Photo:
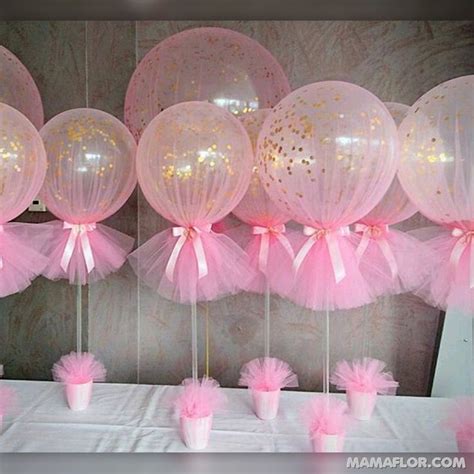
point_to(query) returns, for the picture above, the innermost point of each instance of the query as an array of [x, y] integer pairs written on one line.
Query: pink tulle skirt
[[315, 285], [414, 261], [448, 285], [109, 249], [279, 264], [228, 268], [23, 256]]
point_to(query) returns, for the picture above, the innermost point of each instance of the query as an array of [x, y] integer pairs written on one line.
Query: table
[[140, 418]]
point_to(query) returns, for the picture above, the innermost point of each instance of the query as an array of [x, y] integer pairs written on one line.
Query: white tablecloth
[[140, 418]]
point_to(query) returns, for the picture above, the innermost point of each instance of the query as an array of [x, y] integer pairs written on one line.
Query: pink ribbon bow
[[1, 258], [78, 231], [265, 233], [192, 233], [465, 239], [376, 233], [334, 251]]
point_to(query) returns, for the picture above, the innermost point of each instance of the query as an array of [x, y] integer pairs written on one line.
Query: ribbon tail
[[263, 252], [87, 251], [389, 256], [170, 266], [362, 247], [1, 262], [286, 245], [68, 250], [200, 256], [302, 253], [336, 258]]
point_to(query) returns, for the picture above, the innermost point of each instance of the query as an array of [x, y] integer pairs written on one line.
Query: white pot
[[195, 432], [361, 404], [79, 395], [265, 404], [328, 443]]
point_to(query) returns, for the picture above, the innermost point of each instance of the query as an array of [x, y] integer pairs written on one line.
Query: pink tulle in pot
[[363, 380], [196, 406], [78, 371], [327, 420], [265, 377]]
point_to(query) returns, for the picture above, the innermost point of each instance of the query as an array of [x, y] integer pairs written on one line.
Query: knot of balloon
[[78, 231], [192, 233]]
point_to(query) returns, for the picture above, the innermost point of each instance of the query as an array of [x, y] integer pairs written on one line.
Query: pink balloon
[[91, 174], [194, 163], [256, 207], [18, 89], [386, 254], [436, 171], [217, 65], [22, 164], [265, 236], [437, 147], [327, 154], [22, 171]]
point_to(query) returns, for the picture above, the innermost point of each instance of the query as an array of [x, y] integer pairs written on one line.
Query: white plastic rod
[[78, 318]]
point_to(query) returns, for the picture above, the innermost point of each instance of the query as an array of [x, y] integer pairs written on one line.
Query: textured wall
[[144, 338]]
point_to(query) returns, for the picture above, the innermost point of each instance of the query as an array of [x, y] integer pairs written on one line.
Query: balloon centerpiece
[[437, 173], [91, 174], [327, 155], [22, 171], [385, 254]]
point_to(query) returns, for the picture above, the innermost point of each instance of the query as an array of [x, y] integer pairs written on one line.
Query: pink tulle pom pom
[[364, 375], [227, 267], [460, 417], [77, 368], [449, 283], [200, 398], [22, 253], [107, 247], [8, 400], [267, 374], [326, 415]]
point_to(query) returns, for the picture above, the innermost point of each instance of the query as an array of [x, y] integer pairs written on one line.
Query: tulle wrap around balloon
[[194, 163], [327, 155], [215, 65], [263, 234], [437, 173], [91, 174], [386, 254], [22, 171], [18, 89]]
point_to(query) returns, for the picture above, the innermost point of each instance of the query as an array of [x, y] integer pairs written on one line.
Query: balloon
[[437, 172], [264, 237], [18, 89], [216, 65], [22, 171], [327, 155], [386, 254], [193, 164], [91, 174]]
